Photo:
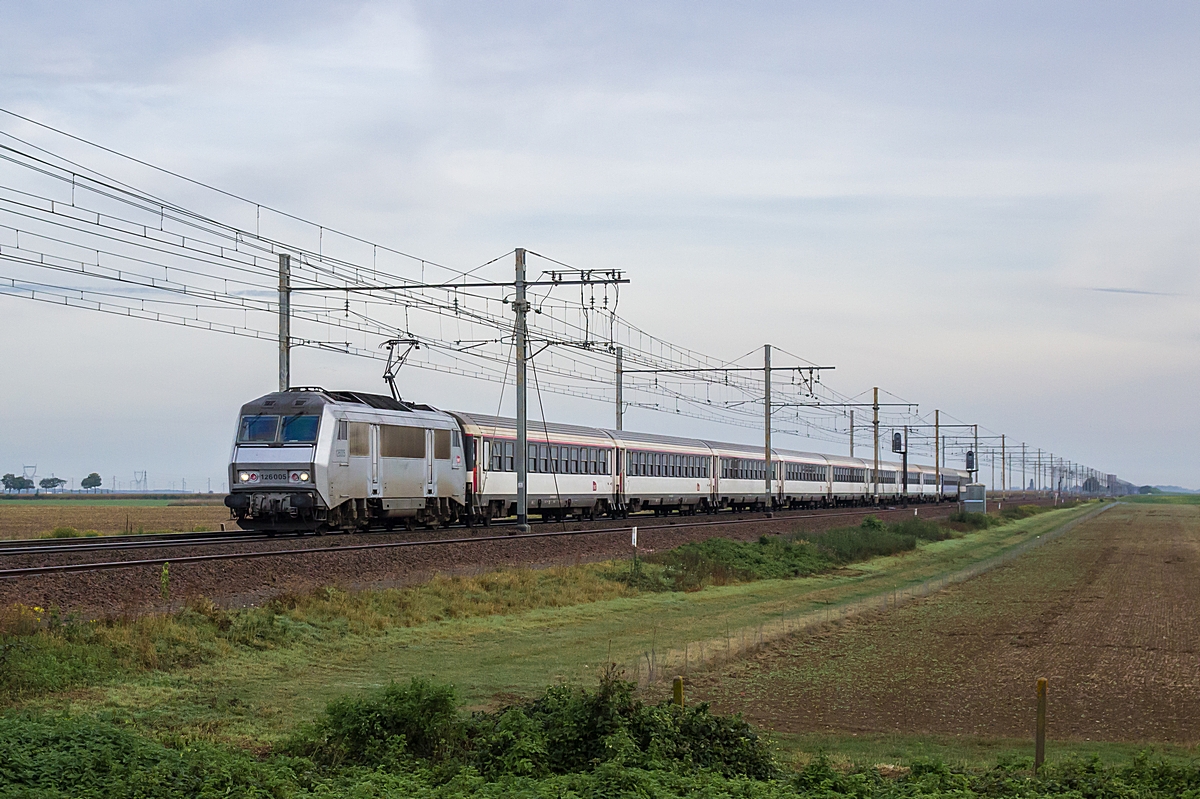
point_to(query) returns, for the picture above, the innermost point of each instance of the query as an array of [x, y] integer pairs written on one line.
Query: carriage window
[[360, 439], [509, 451], [401, 442], [342, 430], [544, 458], [258, 429]]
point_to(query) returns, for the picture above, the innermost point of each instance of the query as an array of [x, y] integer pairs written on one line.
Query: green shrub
[[973, 521], [62, 757], [922, 529], [416, 720], [718, 561], [850, 544], [65, 532], [567, 730]]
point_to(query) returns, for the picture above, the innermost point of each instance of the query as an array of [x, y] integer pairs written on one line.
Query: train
[[315, 460]]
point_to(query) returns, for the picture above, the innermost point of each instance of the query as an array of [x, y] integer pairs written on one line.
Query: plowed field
[[34, 519], [1110, 613]]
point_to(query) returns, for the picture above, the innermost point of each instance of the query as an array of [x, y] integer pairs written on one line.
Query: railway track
[[191, 540]]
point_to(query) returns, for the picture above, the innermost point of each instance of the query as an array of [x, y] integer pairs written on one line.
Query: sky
[[987, 208]]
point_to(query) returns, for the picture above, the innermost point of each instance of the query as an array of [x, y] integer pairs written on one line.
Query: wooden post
[[679, 691], [1039, 755]]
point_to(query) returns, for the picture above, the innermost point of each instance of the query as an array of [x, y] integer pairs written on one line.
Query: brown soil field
[[34, 520], [1109, 613]]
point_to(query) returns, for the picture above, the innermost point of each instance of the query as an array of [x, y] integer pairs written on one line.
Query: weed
[[164, 583]]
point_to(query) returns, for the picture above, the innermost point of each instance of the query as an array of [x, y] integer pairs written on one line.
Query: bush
[[415, 720], [850, 544], [60, 757], [973, 521], [718, 561], [567, 730], [922, 529]]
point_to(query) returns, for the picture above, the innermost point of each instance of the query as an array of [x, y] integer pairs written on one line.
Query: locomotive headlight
[[303, 477], [244, 477]]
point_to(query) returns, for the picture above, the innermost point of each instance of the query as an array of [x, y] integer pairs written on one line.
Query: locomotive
[[315, 460]]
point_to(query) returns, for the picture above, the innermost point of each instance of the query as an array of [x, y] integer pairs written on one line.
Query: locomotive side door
[[373, 486], [430, 467]]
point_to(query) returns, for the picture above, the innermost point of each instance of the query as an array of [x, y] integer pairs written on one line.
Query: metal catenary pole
[[975, 471], [937, 460], [285, 322], [521, 307], [851, 432], [1003, 465], [620, 387], [767, 424], [875, 423]]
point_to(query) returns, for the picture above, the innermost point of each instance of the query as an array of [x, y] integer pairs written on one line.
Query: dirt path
[[1110, 614]]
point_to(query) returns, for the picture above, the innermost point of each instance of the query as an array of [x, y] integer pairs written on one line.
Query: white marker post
[[633, 540]]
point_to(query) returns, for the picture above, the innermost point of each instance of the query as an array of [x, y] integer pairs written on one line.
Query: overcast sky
[[985, 208]]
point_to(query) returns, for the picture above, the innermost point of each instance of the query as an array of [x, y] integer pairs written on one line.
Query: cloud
[[1136, 291], [916, 196]]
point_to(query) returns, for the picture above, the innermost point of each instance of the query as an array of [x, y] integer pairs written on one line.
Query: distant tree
[[51, 483], [13, 482], [91, 481], [1148, 490]]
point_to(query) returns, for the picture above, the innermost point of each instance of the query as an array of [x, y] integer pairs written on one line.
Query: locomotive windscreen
[[300, 429], [258, 429], [266, 429]]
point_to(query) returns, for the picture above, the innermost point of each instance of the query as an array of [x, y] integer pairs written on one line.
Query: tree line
[[19, 483]]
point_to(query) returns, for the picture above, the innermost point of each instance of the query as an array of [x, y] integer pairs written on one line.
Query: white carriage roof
[[507, 424], [499, 424]]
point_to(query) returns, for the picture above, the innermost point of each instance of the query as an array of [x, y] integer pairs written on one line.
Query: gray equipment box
[[975, 498]]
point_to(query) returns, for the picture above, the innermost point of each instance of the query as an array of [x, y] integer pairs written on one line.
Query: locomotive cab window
[[300, 429], [258, 429]]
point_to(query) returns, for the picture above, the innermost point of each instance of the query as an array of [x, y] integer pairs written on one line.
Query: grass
[[414, 741], [1163, 499], [250, 676], [306, 695]]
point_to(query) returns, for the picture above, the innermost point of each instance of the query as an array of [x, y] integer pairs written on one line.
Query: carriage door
[[373, 487], [618, 477], [430, 468]]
